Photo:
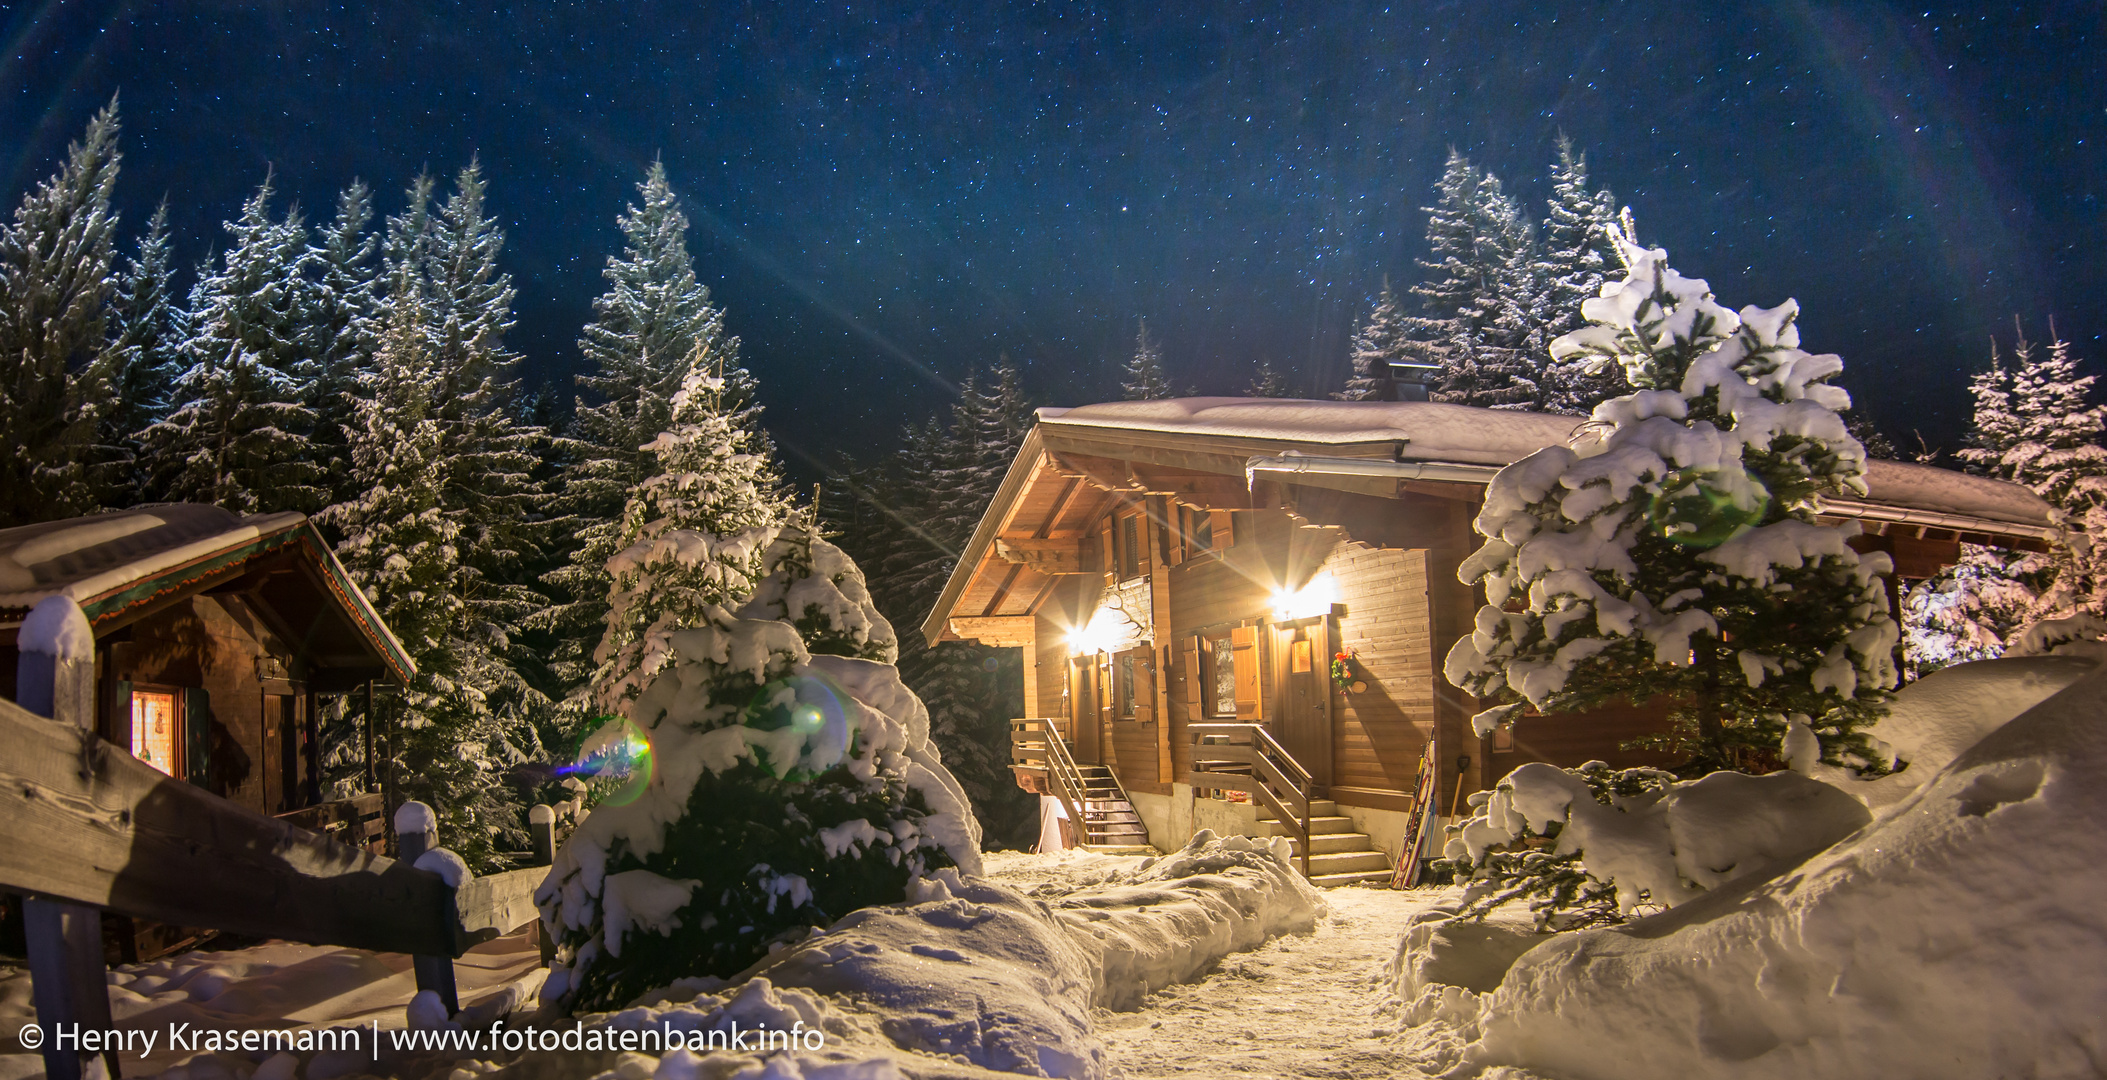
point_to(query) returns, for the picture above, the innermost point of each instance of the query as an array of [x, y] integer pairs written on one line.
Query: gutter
[[1307, 464], [1936, 519]]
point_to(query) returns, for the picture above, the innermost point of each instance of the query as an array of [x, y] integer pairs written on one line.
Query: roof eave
[[1013, 483]]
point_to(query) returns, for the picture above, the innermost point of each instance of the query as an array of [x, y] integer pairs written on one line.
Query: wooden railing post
[[55, 678], [541, 822], [416, 832]]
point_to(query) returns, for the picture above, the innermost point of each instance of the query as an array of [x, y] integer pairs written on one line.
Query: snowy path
[[1301, 1006]]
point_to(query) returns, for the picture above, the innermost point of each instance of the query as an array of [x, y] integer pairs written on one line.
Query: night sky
[[886, 196]]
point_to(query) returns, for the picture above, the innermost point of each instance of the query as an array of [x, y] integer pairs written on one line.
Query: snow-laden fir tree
[[1142, 379], [402, 545], [780, 776], [2035, 426], [1267, 382], [1672, 549], [341, 328], [239, 432], [55, 282], [653, 328], [1378, 342], [907, 519], [473, 719], [147, 328], [1477, 294], [690, 537], [1578, 255]]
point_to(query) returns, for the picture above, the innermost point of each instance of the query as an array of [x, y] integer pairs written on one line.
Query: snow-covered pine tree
[[147, 329], [1477, 295], [402, 545], [1268, 382], [1142, 379], [447, 304], [907, 519], [653, 329], [341, 327], [793, 782], [1377, 343], [1448, 294], [1673, 550], [238, 433], [55, 282], [691, 537], [1579, 255], [1968, 611], [2038, 429]]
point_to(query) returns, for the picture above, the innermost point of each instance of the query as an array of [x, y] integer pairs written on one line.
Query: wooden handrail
[[1062, 775], [1276, 778]]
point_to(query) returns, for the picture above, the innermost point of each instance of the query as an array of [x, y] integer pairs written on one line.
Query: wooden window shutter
[[120, 725], [1144, 685], [1250, 703], [1223, 525], [197, 737], [1194, 689]]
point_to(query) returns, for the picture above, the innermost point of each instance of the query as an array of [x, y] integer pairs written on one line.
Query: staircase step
[[1332, 843], [1345, 862], [1331, 825], [1333, 881]]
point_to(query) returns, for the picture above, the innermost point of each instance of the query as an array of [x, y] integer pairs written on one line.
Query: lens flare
[[617, 760], [811, 715], [1707, 510]]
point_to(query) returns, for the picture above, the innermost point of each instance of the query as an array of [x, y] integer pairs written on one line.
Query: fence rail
[[1037, 744], [88, 824]]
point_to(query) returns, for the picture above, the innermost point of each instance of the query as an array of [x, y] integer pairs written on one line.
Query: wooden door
[[1302, 723], [1086, 723]]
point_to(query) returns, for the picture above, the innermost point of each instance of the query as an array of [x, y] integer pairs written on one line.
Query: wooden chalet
[[1182, 573], [217, 638]]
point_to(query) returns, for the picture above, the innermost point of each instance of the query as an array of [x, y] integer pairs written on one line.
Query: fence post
[[55, 677], [541, 821], [416, 832]]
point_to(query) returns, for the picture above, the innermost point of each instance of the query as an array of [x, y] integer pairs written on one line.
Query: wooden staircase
[[1104, 818], [1110, 823], [1338, 855]]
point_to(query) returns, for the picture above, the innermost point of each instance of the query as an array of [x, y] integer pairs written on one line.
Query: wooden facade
[[1172, 563]]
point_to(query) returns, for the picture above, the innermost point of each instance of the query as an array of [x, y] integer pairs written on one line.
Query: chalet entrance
[[1087, 717], [1301, 720]]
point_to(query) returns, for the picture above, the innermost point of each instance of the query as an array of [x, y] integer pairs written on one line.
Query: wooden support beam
[[1049, 557], [997, 631], [435, 972]]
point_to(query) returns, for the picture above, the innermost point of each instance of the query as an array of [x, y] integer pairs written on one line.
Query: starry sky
[[887, 196]]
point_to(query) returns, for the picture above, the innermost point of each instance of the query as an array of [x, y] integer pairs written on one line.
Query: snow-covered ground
[[1302, 1005]]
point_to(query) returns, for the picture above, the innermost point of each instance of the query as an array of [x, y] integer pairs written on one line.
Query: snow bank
[[977, 976], [1961, 935], [1665, 846], [1439, 950]]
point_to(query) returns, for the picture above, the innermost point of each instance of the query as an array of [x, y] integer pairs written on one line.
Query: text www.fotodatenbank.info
[[497, 1038]]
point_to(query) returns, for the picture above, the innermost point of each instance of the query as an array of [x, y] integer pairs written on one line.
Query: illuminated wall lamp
[[1312, 600]]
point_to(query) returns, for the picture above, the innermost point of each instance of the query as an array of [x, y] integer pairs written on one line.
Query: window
[[156, 730], [1126, 680], [1221, 677], [1130, 546], [1200, 527]]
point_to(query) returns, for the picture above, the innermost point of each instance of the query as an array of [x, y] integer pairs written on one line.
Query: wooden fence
[[90, 827]]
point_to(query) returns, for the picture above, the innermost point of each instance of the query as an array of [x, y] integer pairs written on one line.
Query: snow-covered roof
[[1430, 431], [109, 563], [1425, 430]]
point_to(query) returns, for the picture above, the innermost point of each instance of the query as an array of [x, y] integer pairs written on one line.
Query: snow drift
[[976, 978], [1960, 935]]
